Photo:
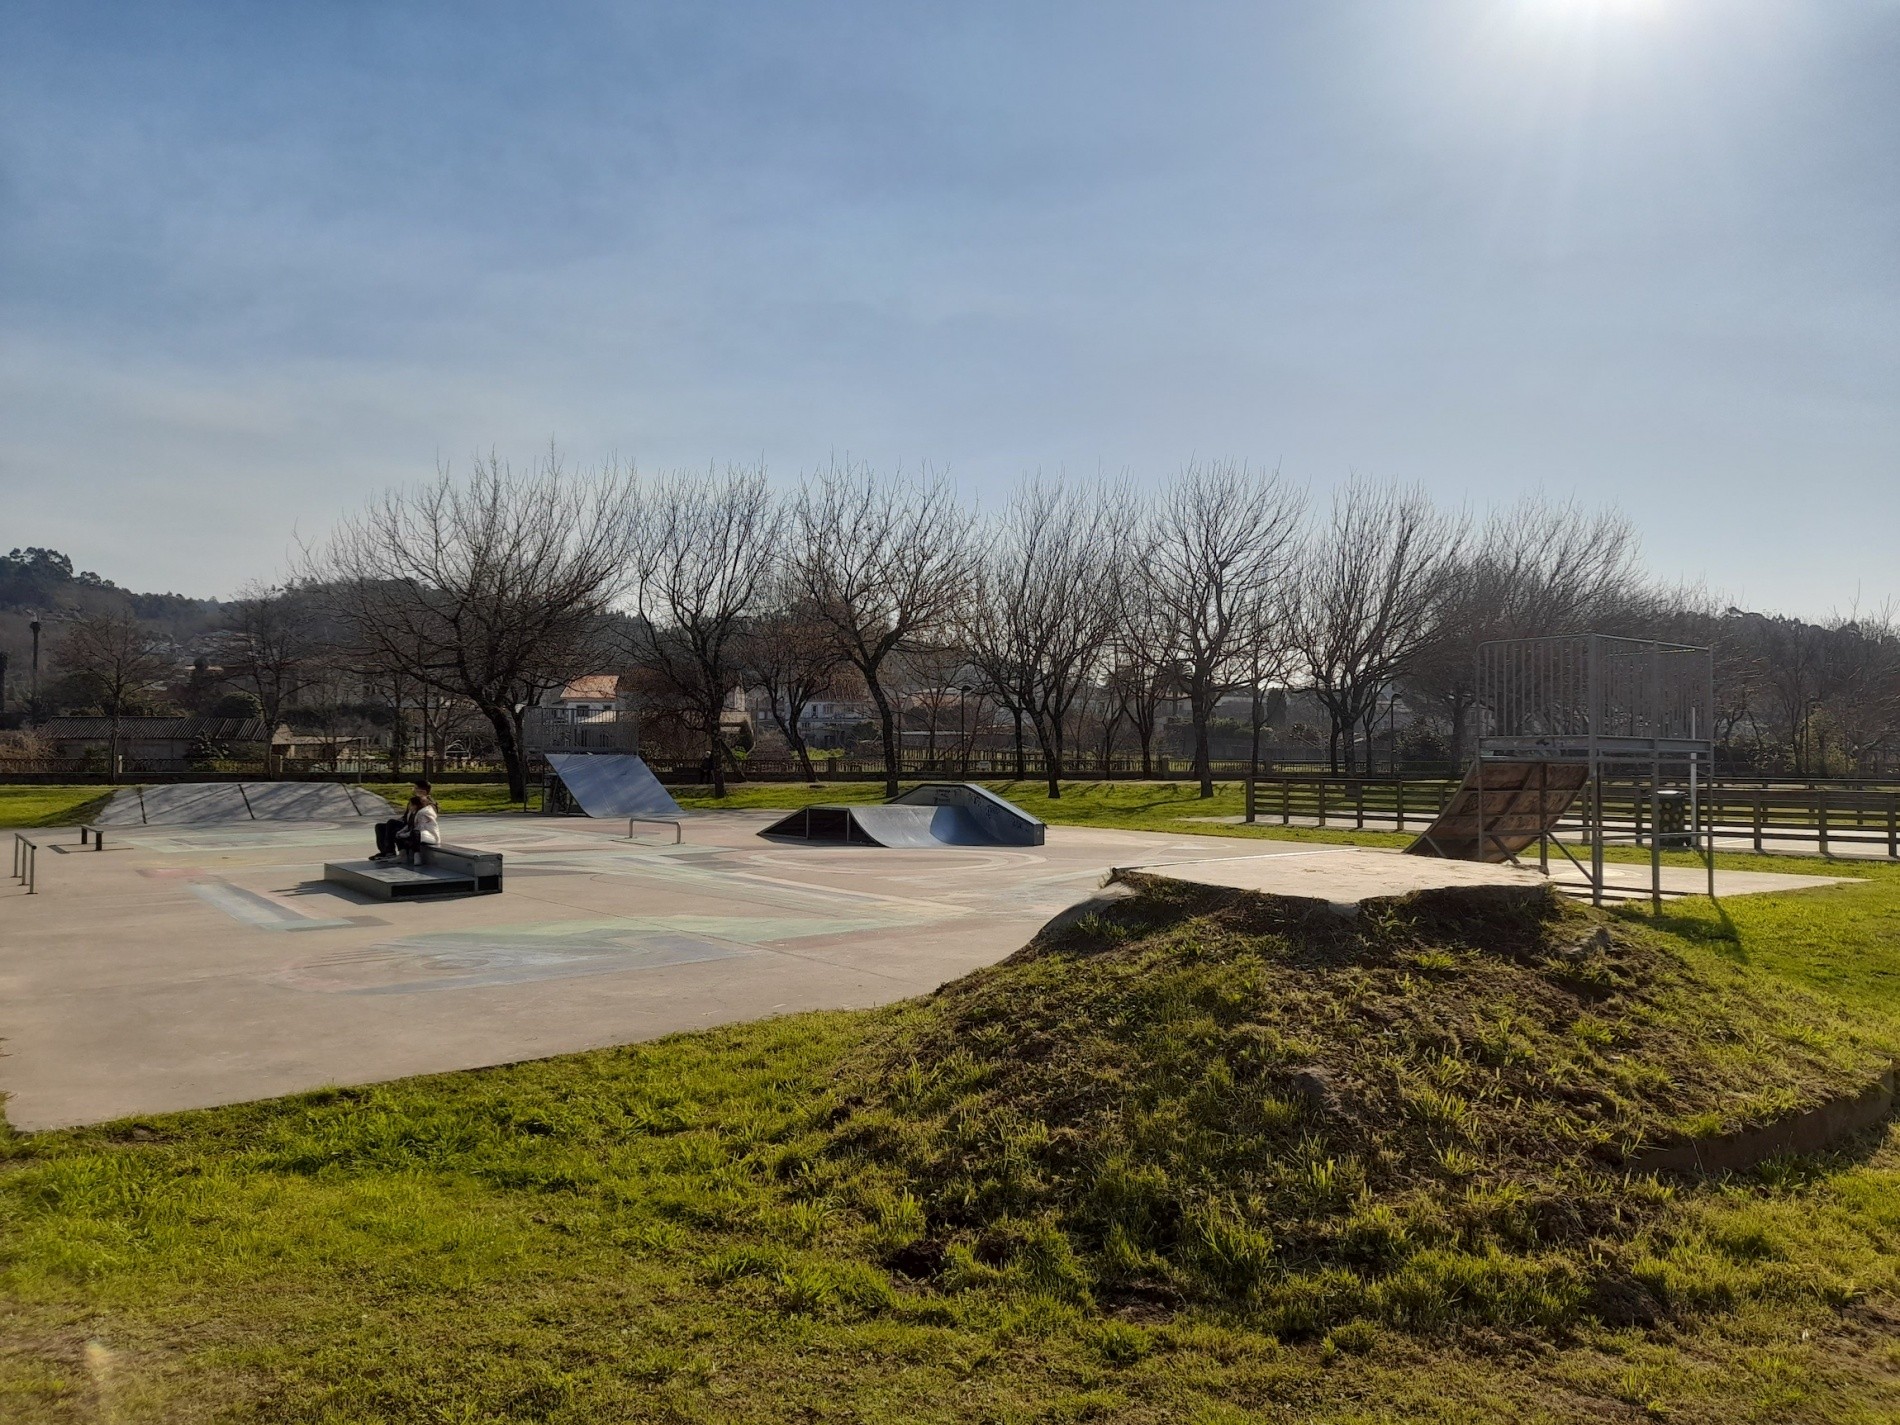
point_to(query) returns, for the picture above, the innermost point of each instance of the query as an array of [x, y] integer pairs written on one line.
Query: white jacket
[[426, 825]]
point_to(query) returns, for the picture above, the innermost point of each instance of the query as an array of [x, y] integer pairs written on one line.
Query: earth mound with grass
[[1419, 1115]]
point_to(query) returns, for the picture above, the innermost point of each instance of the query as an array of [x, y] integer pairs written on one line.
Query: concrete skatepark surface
[[196, 965]]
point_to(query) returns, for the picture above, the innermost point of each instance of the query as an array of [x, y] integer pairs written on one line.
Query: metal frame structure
[[1623, 707]]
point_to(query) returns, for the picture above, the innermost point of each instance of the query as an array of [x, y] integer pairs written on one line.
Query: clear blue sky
[[259, 261]]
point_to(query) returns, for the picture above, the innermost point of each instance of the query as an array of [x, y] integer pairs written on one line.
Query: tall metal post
[[1655, 781], [1594, 700], [34, 714]]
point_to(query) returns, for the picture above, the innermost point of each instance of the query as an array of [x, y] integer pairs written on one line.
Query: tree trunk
[[1022, 761], [1202, 706], [797, 739], [508, 741], [1051, 759], [888, 726], [715, 761], [1253, 752]]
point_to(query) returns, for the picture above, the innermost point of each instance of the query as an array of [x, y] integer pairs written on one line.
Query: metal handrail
[[26, 855], [678, 835], [95, 834]]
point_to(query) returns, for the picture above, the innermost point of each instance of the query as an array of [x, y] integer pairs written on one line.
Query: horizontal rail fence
[[1746, 816]]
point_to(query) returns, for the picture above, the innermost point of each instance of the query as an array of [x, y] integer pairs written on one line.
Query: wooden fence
[[1764, 817]]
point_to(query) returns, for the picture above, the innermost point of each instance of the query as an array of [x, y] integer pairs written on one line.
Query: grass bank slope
[[1418, 1115]]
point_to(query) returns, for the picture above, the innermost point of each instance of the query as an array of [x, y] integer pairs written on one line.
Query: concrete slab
[[206, 964], [1624, 881], [1347, 875], [1340, 876]]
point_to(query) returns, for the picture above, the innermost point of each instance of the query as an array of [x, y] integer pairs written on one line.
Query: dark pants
[[394, 836]]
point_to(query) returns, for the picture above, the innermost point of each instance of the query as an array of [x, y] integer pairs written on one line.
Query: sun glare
[[1573, 10]]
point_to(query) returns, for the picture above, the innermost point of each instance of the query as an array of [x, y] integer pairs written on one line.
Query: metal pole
[[1593, 699], [1543, 817]]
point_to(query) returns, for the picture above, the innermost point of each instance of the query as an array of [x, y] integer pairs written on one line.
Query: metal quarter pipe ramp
[[605, 784], [935, 814], [1501, 809]]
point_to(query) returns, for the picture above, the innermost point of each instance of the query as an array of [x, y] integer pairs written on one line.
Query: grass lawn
[[50, 806], [1036, 1197]]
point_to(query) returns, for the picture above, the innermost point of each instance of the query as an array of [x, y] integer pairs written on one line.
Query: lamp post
[[34, 712]]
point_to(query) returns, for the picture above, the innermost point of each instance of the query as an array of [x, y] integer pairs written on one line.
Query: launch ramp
[[935, 814], [605, 784], [1502, 809]]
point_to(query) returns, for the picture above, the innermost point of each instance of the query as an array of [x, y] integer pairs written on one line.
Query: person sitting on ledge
[[417, 826]]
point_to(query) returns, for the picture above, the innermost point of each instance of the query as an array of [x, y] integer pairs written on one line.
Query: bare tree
[[702, 564], [279, 652], [493, 589], [790, 656], [1045, 605], [1143, 675], [1370, 596], [1537, 569], [120, 657], [885, 562], [1225, 540]]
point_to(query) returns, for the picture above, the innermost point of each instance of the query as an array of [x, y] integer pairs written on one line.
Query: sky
[[260, 263]]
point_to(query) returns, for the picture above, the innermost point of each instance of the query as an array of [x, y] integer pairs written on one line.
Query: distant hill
[[43, 579]]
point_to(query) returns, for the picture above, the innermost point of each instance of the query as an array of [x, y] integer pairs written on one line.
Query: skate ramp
[[609, 784], [1501, 809], [217, 803], [937, 814], [1000, 821], [312, 801]]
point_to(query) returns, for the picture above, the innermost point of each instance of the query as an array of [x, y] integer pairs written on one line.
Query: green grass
[[1075, 1187], [50, 806], [470, 799]]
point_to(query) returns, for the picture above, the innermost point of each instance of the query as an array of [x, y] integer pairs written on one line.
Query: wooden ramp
[[1502, 808]]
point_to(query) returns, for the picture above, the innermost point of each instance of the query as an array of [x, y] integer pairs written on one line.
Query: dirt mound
[[1420, 1114]]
